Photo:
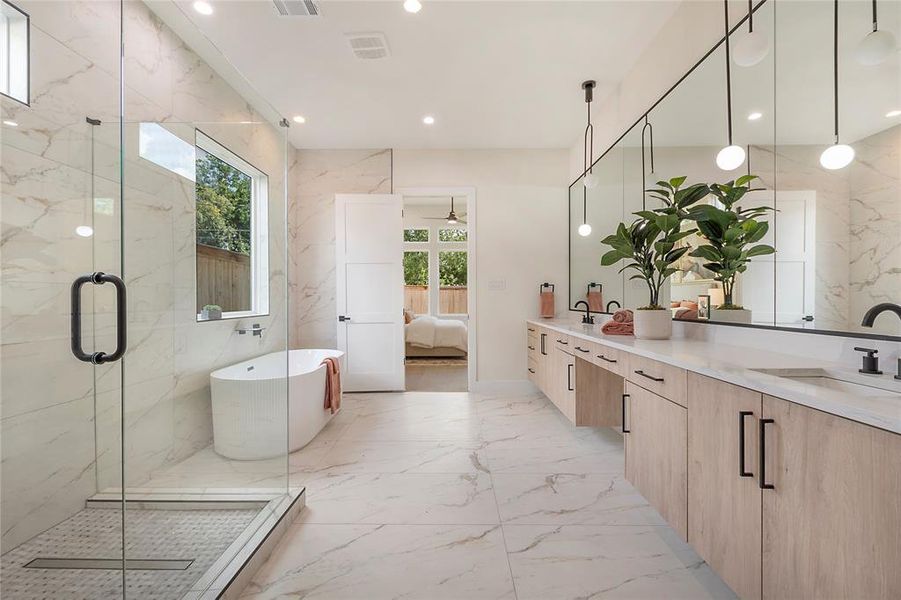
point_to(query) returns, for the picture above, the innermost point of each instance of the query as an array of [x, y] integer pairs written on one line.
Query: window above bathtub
[[14, 67], [232, 234]]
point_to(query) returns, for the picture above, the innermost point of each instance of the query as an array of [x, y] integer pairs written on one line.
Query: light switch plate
[[497, 285]]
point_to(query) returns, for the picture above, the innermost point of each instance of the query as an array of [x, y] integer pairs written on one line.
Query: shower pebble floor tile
[[466, 496]]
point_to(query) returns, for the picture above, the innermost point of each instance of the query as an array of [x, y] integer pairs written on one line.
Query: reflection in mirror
[[836, 232]]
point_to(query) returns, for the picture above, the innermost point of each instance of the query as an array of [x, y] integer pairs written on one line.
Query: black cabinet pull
[[562, 342], [624, 414], [531, 370], [98, 358], [741, 443], [580, 349], [651, 377], [530, 329], [543, 337], [762, 480], [569, 378], [531, 347], [605, 359]]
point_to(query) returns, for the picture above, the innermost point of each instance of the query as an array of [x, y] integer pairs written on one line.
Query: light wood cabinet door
[[563, 387], [657, 453], [832, 522], [724, 503], [598, 396]]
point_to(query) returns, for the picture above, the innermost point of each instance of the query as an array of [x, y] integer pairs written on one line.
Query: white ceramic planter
[[741, 315], [653, 324]]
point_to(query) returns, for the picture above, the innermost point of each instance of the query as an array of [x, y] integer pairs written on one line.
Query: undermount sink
[[849, 383]]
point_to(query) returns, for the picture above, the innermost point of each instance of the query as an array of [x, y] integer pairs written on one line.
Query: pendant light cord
[[835, 65], [751, 16], [650, 128], [587, 144], [875, 20], [728, 71]]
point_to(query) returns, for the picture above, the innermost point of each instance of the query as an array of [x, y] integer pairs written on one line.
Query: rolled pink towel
[[623, 316], [618, 328]]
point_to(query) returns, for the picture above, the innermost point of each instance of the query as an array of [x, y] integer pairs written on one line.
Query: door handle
[[741, 443], [98, 358], [624, 414], [543, 338], [342, 318], [762, 480]]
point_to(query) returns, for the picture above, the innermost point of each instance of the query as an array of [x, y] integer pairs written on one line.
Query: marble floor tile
[[401, 499], [374, 562], [570, 499], [427, 418], [401, 457], [429, 378], [567, 561]]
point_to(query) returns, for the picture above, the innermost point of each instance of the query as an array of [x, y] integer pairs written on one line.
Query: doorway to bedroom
[[437, 291]]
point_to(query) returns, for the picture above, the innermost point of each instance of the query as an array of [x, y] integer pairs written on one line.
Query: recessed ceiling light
[[299, 119], [428, 120], [11, 123], [754, 116], [412, 6], [893, 113], [204, 8]]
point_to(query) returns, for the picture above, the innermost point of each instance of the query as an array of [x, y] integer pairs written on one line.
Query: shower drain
[[152, 564]]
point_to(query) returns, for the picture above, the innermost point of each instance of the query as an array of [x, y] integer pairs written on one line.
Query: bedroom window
[[416, 235], [452, 235], [416, 280], [452, 273]]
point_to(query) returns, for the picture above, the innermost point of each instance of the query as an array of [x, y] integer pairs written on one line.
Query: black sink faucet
[[870, 317], [586, 318], [618, 305]]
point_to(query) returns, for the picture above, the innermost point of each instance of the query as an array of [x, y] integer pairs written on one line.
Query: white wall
[[520, 237]]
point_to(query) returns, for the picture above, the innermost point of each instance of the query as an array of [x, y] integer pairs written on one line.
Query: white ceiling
[[493, 74]]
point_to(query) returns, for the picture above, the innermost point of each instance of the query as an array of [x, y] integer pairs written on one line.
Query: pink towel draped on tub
[[620, 324], [547, 305], [332, 384]]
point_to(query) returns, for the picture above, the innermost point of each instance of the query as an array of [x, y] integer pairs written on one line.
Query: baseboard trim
[[499, 387]]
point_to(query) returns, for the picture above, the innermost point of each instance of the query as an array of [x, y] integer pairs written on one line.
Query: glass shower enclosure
[[144, 248]]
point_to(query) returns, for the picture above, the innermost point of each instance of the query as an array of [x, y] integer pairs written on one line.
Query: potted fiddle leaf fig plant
[[732, 234], [649, 245]]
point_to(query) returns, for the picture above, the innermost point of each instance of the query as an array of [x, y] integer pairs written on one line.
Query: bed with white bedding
[[426, 335]]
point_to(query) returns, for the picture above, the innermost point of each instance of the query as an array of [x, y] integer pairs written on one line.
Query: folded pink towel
[[620, 324], [547, 305]]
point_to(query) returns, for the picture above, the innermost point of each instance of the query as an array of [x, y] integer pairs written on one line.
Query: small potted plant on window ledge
[[649, 245], [211, 312], [731, 234]]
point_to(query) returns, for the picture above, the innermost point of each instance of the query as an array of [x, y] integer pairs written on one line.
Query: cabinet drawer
[[609, 358], [580, 348], [561, 341], [662, 379]]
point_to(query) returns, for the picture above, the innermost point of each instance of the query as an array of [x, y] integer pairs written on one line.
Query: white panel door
[[370, 290], [784, 282]]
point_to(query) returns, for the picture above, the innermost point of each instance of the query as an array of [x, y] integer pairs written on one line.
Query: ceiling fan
[[451, 218]]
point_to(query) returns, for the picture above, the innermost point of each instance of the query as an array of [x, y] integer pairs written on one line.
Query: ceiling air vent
[[297, 8], [368, 46]]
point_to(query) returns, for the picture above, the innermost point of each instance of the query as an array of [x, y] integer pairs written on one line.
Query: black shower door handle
[[98, 358]]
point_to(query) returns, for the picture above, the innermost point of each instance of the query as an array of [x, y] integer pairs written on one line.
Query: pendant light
[[589, 179], [731, 157], [836, 156], [877, 46], [752, 48]]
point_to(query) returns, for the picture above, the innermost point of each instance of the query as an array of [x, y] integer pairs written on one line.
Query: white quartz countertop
[[737, 365]]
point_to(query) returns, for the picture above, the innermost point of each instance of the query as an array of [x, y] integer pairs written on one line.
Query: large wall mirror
[[837, 232]]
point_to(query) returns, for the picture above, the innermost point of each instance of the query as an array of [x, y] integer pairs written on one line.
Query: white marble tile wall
[[314, 177], [60, 441]]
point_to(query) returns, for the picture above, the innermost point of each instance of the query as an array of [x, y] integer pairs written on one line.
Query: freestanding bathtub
[[250, 415]]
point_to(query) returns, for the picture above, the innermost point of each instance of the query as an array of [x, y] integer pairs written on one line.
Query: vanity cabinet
[[831, 522], [655, 432], [724, 498]]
